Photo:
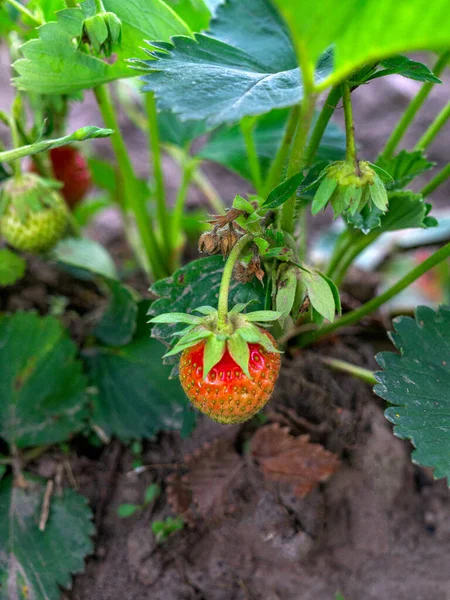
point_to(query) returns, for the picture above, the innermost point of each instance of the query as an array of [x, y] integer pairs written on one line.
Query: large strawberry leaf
[[404, 167], [56, 63], [417, 383], [245, 65], [197, 284], [133, 394], [42, 386], [367, 33], [227, 145], [118, 322], [34, 563]]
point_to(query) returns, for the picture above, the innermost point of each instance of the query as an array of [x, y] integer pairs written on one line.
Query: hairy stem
[[132, 195], [226, 280], [276, 168], [434, 128], [247, 127], [321, 124], [24, 10], [350, 145], [436, 181], [155, 148], [413, 108], [346, 367], [369, 307]]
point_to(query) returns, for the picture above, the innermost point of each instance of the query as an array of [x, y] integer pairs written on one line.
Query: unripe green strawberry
[[33, 215], [228, 371]]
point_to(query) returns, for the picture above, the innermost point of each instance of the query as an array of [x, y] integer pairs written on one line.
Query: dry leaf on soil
[[294, 460]]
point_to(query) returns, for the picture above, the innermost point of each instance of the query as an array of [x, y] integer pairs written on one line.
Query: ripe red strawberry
[[227, 395], [230, 373], [72, 170], [33, 215]]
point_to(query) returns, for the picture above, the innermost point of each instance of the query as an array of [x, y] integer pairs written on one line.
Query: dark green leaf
[[118, 322], [195, 285], [416, 382], [402, 65], [84, 253], [283, 192], [176, 132], [34, 564], [227, 145], [232, 74], [404, 167], [135, 397], [127, 510], [54, 64], [42, 386], [103, 174], [12, 267]]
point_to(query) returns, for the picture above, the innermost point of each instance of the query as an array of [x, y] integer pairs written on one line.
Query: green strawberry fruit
[[33, 215]]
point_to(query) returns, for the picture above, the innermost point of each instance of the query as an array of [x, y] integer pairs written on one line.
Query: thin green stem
[[346, 367], [436, 181], [177, 214], [369, 307], [357, 246], [210, 192], [247, 126], [99, 6], [276, 168], [16, 142], [413, 108], [226, 280], [343, 242], [434, 128], [350, 154], [155, 147], [24, 10], [132, 195], [321, 124]]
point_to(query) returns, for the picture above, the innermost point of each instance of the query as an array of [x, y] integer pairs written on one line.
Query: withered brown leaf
[[294, 460]]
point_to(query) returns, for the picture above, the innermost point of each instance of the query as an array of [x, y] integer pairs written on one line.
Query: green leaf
[[42, 386], [402, 65], [263, 316], [195, 13], [283, 192], [118, 322], [286, 291], [416, 382], [134, 396], [404, 167], [88, 208], [55, 64], [189, 339], [242, 204], [127, 510], [176, 132], [323, 194], [12, 267], [84, 253], [151, 493], [378, 194], [103, 174], [227, 145], [214, 350], [196, 284], [176, 318], [232, 73], [240, 352], [377, 30], [34, 564], [320, 294]]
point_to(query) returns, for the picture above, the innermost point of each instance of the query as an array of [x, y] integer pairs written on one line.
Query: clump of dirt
[[378, 528]]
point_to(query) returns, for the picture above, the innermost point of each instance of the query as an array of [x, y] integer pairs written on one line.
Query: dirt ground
[[378, 529]]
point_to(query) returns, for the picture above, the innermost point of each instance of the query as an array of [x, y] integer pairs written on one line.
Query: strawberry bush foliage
[[251, 86]]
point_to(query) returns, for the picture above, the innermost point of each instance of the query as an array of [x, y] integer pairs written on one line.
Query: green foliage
[[322, 293], [34, 563], [283, 192], [197, 284], [396, 26], [85, 254], [127, 510], [42, 387], [12, 267], [227, 146], [163, 529], [231, 74], [402, 65], [118, 322], [57, 64], [133, 395], [404, 167], [416, 382], [196, 13]]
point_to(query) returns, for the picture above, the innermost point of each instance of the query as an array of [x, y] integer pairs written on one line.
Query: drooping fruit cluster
[[33, 215], [228, 373], [71, 169], [349, 186]]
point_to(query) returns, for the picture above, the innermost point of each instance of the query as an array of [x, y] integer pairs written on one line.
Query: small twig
[[59, 479], [46, 505], [143, 468], [70, 476]]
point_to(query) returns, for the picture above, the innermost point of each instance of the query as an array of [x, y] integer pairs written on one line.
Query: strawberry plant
[[154, 339]]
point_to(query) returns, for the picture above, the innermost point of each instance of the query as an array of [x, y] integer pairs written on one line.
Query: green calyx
[[349, 186], [103, 30], [29, 194], [241, 330]]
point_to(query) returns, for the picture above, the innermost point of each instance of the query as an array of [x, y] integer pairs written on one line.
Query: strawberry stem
[[222, 318], [349, 126]]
